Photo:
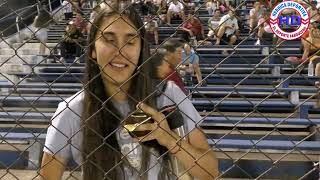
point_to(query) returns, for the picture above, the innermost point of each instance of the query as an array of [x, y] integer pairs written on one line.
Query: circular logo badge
[[291, 26]]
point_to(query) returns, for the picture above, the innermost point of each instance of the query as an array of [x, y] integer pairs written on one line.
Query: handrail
[[15, 12], [17, 24]]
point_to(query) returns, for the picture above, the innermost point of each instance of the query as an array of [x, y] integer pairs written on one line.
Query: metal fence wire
[[162, 89]]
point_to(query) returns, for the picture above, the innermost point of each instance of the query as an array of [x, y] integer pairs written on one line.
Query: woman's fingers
[[157, 116], [146, 127]]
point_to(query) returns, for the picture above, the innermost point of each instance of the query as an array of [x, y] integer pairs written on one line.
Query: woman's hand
[[160, 129]]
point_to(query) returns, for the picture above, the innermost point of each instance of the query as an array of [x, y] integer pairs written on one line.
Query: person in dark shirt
[[192, 28], [70, 46], [164, 70]]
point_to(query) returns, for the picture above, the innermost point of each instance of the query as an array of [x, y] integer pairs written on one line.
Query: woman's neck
[[118, 94]]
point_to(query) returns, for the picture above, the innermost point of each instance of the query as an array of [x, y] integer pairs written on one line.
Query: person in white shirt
[[175, 10], [212, 5], [255, 14], [213, 24], [228, 29], [264, 27], [67, 9]]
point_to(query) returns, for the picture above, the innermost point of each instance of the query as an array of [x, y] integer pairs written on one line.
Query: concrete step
[[25, 45], [21, 59]]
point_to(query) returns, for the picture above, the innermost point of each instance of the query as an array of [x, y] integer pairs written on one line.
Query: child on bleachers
[[255, 14], [228, 29], [175, 11], [264, 28], [213, 24]]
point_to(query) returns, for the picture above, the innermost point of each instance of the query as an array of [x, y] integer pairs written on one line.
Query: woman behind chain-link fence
[[86, 126]]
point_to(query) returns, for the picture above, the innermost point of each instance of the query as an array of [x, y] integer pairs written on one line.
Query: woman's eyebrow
[[108, 33], [131, 35]]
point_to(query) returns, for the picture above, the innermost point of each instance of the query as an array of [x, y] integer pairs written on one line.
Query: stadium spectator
[[70, 46], [80, 23], [313, 12], [67, 9], [147, 7], [165, 70], [225, 6], [151, 26], [93, 15], [264, 28], [192, 28], [114, 88], [312, 43], [40, 24], [174, 51], [190, 64], [228, 29], [213, 24], [212, 6], [189, 4], [255, 14], [175, 11], [163, 10]]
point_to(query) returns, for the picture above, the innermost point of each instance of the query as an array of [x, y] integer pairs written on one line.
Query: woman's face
[[117, 49]]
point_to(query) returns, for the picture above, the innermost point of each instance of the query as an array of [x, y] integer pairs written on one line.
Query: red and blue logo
[[292, 25]]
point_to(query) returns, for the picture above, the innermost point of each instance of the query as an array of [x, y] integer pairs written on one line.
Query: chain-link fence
[[157, 89]]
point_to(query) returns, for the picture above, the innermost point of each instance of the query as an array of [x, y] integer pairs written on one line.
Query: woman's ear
[[94, 54]]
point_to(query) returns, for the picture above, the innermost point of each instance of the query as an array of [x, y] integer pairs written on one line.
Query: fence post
[[50, 7], [38, 9]]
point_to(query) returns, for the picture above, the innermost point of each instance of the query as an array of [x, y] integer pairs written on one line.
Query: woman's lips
[[118, 66]]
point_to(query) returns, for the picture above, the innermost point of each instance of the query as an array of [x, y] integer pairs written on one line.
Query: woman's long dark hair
[[100, 119]]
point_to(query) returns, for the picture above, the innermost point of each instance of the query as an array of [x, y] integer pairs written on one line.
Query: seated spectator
[[70, 46], [228, 29], [189, 4], [163, 10], [213, 24], [164, 70], [225, 6], [264, 28], [255, 14], [312, 43], [40, 26], [93, 14], [313, 12], [192, 27], [173, 56], [190, 64], [80, 23], [147, 7], [151, 27], [212, 6], [67, 9], [175, 11]]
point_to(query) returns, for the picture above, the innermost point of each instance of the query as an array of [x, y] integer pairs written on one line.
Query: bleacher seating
[[254, 107]]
